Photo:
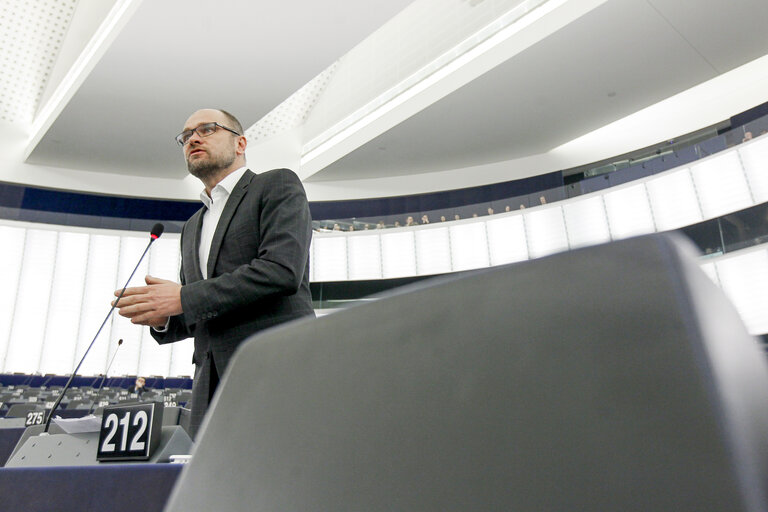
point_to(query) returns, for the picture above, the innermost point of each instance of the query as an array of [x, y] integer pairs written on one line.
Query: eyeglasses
[[204, 130]]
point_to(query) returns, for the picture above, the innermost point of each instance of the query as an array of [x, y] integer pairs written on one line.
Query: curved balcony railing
[[598, 178]]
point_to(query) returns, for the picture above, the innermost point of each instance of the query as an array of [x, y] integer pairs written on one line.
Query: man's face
[[206, 156]]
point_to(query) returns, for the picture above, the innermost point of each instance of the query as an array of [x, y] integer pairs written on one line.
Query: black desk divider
[[610, 378]]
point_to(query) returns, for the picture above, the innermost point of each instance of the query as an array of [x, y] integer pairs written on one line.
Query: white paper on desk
[[88, 423]]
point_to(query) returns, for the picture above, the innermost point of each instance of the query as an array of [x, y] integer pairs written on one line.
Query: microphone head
[[157, 230], [120, 341]]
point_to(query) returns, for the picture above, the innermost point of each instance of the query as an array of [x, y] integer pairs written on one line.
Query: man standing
[[245, 256]]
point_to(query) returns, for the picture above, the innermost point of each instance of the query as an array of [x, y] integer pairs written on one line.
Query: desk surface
[[114, 487]]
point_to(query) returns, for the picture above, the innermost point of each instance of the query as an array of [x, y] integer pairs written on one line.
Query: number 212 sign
[[130, 432]]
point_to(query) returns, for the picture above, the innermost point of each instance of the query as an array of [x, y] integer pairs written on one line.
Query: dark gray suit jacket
[[258, 271]]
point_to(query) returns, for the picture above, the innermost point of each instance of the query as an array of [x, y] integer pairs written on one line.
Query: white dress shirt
[[214, 206]]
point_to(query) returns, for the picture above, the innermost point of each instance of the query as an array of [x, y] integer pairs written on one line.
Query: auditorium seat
[[21, 410], [616, 377]]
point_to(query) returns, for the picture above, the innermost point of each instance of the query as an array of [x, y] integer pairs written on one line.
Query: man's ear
[[242, 143]]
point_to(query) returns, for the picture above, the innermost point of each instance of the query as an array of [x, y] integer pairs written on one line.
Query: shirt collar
[[228, 184]]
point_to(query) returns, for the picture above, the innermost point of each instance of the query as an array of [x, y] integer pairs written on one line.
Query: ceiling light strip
[[471, 48], [118, 16]]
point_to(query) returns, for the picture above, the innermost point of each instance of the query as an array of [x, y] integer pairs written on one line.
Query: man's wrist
[[162, 328]]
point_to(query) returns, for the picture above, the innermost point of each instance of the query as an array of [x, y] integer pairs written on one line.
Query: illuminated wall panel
[[433, 251], [506, 239], [330, 258], [98, 292], [744, 279], [398, 254], [10, 261], [673, 200], [32, 300], [127, 362], [629, 212], [364, 257], [63, 322], [469, 246], [710, 269], [164, 262], [545, 228], [586, 222], [754, 157], [721, 185]]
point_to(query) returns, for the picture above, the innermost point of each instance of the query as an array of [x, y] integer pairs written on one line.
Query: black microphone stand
[[157, 230], [104, 375]]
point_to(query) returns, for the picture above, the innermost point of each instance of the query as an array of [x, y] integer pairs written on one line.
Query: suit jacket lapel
[[191, 248], [226, 216]]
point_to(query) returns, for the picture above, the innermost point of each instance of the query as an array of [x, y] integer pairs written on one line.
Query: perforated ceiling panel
[[31, 34], [293, 111]]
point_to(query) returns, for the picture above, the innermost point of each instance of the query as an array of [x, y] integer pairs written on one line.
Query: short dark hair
[[232, 120]]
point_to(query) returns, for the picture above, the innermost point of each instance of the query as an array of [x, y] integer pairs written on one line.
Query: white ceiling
[[621, 57], [175, 56]]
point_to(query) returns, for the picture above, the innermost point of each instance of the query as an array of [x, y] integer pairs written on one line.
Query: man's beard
[[202, 168]]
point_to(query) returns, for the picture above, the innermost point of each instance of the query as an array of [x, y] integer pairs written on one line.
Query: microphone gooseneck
[[157, 230], [104, 375]]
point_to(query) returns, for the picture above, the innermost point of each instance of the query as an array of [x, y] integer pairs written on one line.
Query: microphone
[[157, 230], [104, 379]]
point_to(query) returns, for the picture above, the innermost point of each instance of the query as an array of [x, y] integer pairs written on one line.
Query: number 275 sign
[[130, 432]]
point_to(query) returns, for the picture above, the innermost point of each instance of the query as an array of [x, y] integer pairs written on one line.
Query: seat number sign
[[130, 432], [35, 418]]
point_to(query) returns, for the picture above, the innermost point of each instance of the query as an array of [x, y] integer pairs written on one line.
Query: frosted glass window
[[469, 246], [100, 283], [586, 222], [721, 185], [754, 157], [127, 361], [32, 302], [10, 262], [744, 280], [506, 239], [629, 213], [546, 231], [673, 200], [364, 257], [398, 254], [66, 300], [330, 256], [433, 251]]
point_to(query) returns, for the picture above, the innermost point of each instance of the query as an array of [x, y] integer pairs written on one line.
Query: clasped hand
[[152, 304]]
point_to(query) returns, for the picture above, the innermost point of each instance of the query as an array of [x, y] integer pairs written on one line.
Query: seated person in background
[[747, 136], [381, 225], [397, 223], [456, 217], [424, 219], [409, 221], [507, 208], [543, 200], [139, 386], [442, 218], [490, 211]]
